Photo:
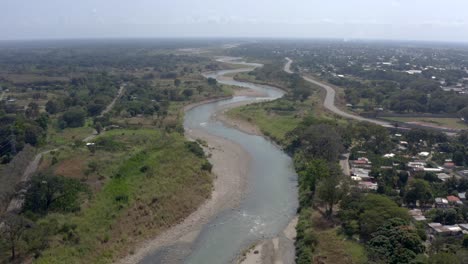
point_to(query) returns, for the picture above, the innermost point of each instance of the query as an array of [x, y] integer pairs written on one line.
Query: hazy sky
[[443, 20]]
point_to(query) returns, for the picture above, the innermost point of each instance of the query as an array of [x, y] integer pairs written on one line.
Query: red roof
[[453, 199], [360, 161], [449, 164]]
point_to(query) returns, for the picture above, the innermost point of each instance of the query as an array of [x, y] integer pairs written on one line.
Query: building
[[424, 154], [417, 165], [417, 215], [361, 163], [453, 199], [368, 185], [444, 230], [462, 196], [443, 176], [363, 174], [441, 202], [449, 165]]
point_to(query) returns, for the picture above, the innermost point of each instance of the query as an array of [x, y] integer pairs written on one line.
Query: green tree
[[332, 188], [98, 127], [419, 190], [395, 242], [374, 210], [53, 193], [12, 231], [212, 81], [74, 117], [52, 107], [443, 258]]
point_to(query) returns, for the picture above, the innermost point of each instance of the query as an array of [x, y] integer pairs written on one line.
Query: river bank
[[230, 166], [251, 200]]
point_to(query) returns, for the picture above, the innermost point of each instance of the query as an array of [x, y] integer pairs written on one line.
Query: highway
[[329, 102]]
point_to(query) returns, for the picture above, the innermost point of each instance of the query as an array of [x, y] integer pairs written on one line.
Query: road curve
[[329, 102]]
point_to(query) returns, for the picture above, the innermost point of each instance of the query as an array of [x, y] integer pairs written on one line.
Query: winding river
[[270, 201]]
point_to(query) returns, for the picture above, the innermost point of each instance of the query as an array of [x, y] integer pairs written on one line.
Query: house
[[441, 202], [368, 185], [424, 154], [417, 165], [439, 169], [389, 155], [361, 173], [443, 176], [449, 165], [464, 228], [462, 196], [417, 215], [463, 173], [361, 163], [453, 199], [444, 230]]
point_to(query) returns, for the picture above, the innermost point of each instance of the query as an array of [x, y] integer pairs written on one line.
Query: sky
[[439, 20]]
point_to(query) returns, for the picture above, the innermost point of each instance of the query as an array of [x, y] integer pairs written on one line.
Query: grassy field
[[334, 248], [453, 123], [275, 119], [147, 181]]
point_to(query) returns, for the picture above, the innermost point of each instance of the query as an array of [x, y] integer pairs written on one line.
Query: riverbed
[[269, 200]]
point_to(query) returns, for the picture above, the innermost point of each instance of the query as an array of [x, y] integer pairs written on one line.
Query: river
[[270, 201]]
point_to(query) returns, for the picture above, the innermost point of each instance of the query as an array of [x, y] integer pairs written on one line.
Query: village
[[424, 178]]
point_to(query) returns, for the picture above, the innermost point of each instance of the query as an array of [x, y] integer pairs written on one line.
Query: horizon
[[398, 20]]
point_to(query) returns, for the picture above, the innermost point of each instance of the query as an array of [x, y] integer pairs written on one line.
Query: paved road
[[329, 102]]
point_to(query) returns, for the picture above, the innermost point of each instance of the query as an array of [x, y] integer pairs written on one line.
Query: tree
[[12, 231], [52, 107], [443, 258], [32, 112], [419, 190], [212, 81], [187, 92], [458, 158], [74, 117], [53, 193], [332, 188], [395, 242], [177, 82], [322, 142], [371, 211], [98, 127]]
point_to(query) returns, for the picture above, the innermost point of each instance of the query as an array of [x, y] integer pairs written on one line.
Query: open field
[[332, 247], [452, 123], [147, 181], [275, 119]]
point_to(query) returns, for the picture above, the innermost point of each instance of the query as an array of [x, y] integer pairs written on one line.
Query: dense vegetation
[[374, 75], [364, 227], [138, 172]]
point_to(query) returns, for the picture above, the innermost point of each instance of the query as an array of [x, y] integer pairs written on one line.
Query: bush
[[306, 239], [195, 148], [207, 166]]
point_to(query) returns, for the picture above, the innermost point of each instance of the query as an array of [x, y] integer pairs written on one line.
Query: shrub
[[195, 148]]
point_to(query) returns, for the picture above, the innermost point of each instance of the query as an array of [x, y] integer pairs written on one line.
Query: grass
[[68, 135], [275, 119], [334, 248], [151, 182], [453, 123]]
